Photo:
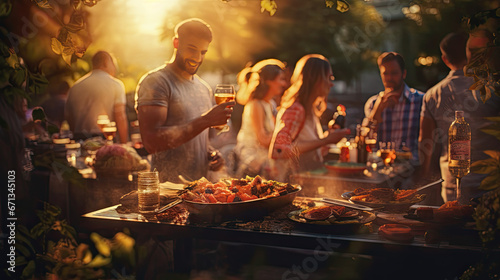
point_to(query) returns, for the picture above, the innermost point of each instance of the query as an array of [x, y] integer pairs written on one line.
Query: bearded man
[[175, 108], [396, 110]]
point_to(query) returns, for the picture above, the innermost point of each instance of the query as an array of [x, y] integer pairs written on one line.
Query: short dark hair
[[390, 56], [194, 26], [453, 47], [99, 59]]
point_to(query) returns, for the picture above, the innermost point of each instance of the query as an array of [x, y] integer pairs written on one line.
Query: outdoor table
[[451, 257], [323, 182]]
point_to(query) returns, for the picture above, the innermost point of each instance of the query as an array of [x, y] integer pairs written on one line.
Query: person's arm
[[121, 122], [157, 137], [383, 101], [426, 143], [284, 144], [333, 137], [258, 118]]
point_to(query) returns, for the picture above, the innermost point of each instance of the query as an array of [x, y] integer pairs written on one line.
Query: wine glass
[[387, 153], [102, 121], [109, 132], [224, 93]]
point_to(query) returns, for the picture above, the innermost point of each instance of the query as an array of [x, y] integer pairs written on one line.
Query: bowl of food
[[243, 199]]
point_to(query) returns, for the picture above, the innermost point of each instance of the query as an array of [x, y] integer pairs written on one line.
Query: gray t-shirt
[[440, 104], [94, 94], [185, 100]]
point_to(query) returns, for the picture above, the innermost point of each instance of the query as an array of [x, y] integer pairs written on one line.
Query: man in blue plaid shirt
[[396, 110]]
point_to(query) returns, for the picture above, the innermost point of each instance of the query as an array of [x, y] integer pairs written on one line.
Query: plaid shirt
[[401, 124]]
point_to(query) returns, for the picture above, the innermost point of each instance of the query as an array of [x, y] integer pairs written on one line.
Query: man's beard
[[393, 86], [183, 64]]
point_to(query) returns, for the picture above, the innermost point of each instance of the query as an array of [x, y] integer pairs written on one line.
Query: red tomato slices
[[235, 190]]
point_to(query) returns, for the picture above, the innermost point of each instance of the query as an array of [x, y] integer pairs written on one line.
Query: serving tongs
[[429, 185], [179, 189], [170, 205], [348, 204]]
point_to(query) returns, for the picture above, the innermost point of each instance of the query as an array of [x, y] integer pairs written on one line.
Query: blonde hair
[[253, 79]]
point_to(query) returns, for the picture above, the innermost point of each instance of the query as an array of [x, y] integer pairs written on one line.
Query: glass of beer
[[224, 93], [102, 121], [109, 132], [387, 153], [148, 190]]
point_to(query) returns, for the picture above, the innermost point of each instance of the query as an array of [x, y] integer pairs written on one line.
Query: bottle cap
[[459, 114]]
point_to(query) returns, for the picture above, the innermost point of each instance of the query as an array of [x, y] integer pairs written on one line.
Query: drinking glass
[[387, 152], [109, 132], [148, 190], [224, 93], [102, 121]]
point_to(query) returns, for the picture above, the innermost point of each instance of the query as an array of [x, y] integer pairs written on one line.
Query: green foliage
[[493, 128], [486, 80], [484, 65], [490, 167], [341, 5], [73, 38], [14, 75], [50, 247], [487, 217], [346, 39], [270, 6]]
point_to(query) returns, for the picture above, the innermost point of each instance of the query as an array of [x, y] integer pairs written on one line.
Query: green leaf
[[29, 270], [76, 22], [485, 166], [23, 250], [52, 128], [4, 76], [56, 45], [77, 4], [11, 92], [493, 119], [12, 60], [494, 154], [101, 244], [482, 92], [5, 8], [493, 128], [342, 6], [490, 182], [477, 85], [37, 83], [67, 58], [269, 6], [488, 89], [23, 240], [99, 261], [21, 261], [43, 4], [18, 77]]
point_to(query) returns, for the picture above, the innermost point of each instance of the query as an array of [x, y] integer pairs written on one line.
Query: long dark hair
[[307, 76]]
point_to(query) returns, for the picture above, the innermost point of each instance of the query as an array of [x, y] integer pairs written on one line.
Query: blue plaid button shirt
[[401, 124]]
